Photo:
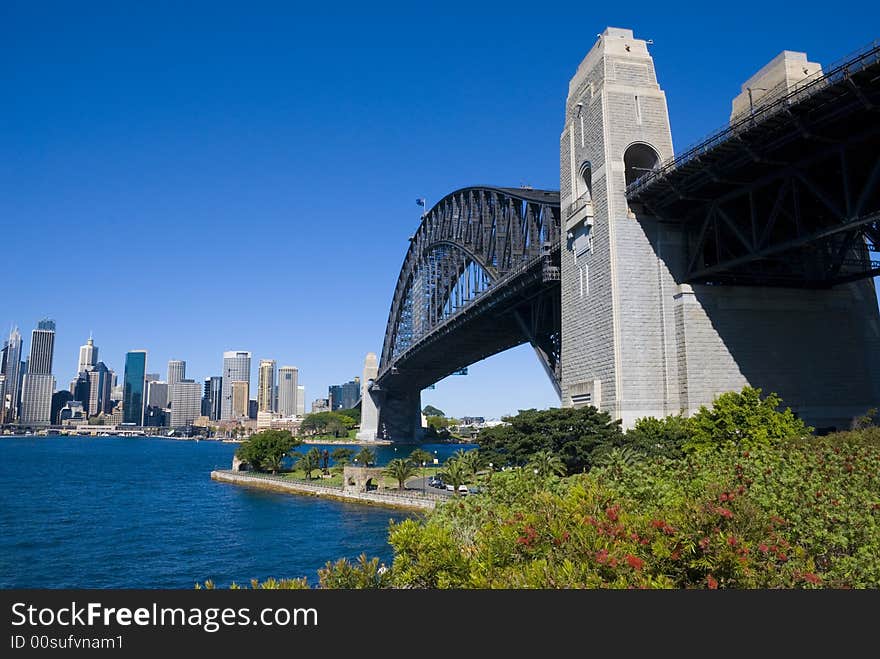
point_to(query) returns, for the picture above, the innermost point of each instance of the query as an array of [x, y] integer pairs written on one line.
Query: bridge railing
[[768, 106]]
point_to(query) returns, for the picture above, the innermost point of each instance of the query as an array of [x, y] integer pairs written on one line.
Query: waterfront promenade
[[409, 499]]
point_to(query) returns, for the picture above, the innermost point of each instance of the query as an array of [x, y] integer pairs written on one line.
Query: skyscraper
[[81, 389], [236, 368], [88, 356], [36, 398], [133, 382], [13, 374], [300, 400], [38, 385], [288, 377], [187, 397], [42, 348], [212, 397], [266, 386], [158, 394], [176, 373], [100, 379], [239, 398]]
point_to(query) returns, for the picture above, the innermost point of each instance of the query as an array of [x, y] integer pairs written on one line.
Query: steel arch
[[489, 230]]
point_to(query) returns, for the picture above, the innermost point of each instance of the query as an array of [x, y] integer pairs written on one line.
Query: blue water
[[144, 513]]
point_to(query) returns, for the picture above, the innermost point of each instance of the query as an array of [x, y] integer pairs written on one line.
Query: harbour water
[[110, 512]]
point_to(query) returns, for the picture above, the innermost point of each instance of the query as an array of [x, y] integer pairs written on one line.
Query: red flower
[[764, 548], [723, 496], [710, 581], [658, 523], [724, 512], [602, 556], [611, 513], [704, 543], [635, 562], [731, 541], [812, 578]]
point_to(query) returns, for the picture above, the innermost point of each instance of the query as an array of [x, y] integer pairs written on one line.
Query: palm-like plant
[[342, 456], [473, 460], [366, 456], [455, 472], [546, 464], [309, 462], [400, 469], [617, 460]]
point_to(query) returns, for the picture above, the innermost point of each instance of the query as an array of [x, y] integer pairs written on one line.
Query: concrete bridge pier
[[394, 414]]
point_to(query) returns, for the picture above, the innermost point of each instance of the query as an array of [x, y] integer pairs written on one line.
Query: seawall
[[279, 484]]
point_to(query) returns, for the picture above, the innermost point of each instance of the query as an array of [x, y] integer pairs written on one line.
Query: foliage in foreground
[[799, 514]]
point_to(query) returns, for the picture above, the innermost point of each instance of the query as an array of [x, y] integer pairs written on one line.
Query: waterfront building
[[133, 382], [156, 417], [187, 405], [176, 373], [320, 405], [42, 348], [36, 399], [158, 394], [2, 397], [212, 398], [266, 386], [239, 398], [99, 389], [72, 413], [344, 396], [288, 381], [252, 409], [300, 401], [88, 356], [236, 368], [59, 400], [12, 371], [264, 419]]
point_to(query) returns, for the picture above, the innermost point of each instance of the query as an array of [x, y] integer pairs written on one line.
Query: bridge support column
[[400, 417], [637, 338], [369, 409]]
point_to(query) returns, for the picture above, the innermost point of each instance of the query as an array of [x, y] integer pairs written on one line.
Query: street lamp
[[424, 480], [751, 104]]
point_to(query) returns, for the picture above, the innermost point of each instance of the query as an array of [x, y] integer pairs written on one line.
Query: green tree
[[309, 462], [430, 410], [745, 419], [659, 437], [420, 455], [473, 460], [336, 428], [546, 463], [342, 456], [265, 450], [400, 469], [456, 473], [366, 456], [571, 434]]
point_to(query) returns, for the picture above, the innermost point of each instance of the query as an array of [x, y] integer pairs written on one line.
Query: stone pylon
[[369, 409]]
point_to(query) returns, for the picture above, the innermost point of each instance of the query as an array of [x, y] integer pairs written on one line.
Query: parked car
[[436, 482], [463, 489]]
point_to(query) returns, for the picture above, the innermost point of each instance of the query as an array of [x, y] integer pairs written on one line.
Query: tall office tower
[[100, 378], [42, 348], [176, 373], [133, 382], [88, 356], [344, 396], [266, 386], [300, 400], [158, 394], [2, 397], [13, 374], [239, 399], [236, 368], [212, 397], [81, 389], [288, 379], [36, 398], [187, 397]]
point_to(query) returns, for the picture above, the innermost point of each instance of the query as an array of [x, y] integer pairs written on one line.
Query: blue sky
[[191, 178]]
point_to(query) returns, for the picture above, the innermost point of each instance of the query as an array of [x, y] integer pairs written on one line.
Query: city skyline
[[138, 146]]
